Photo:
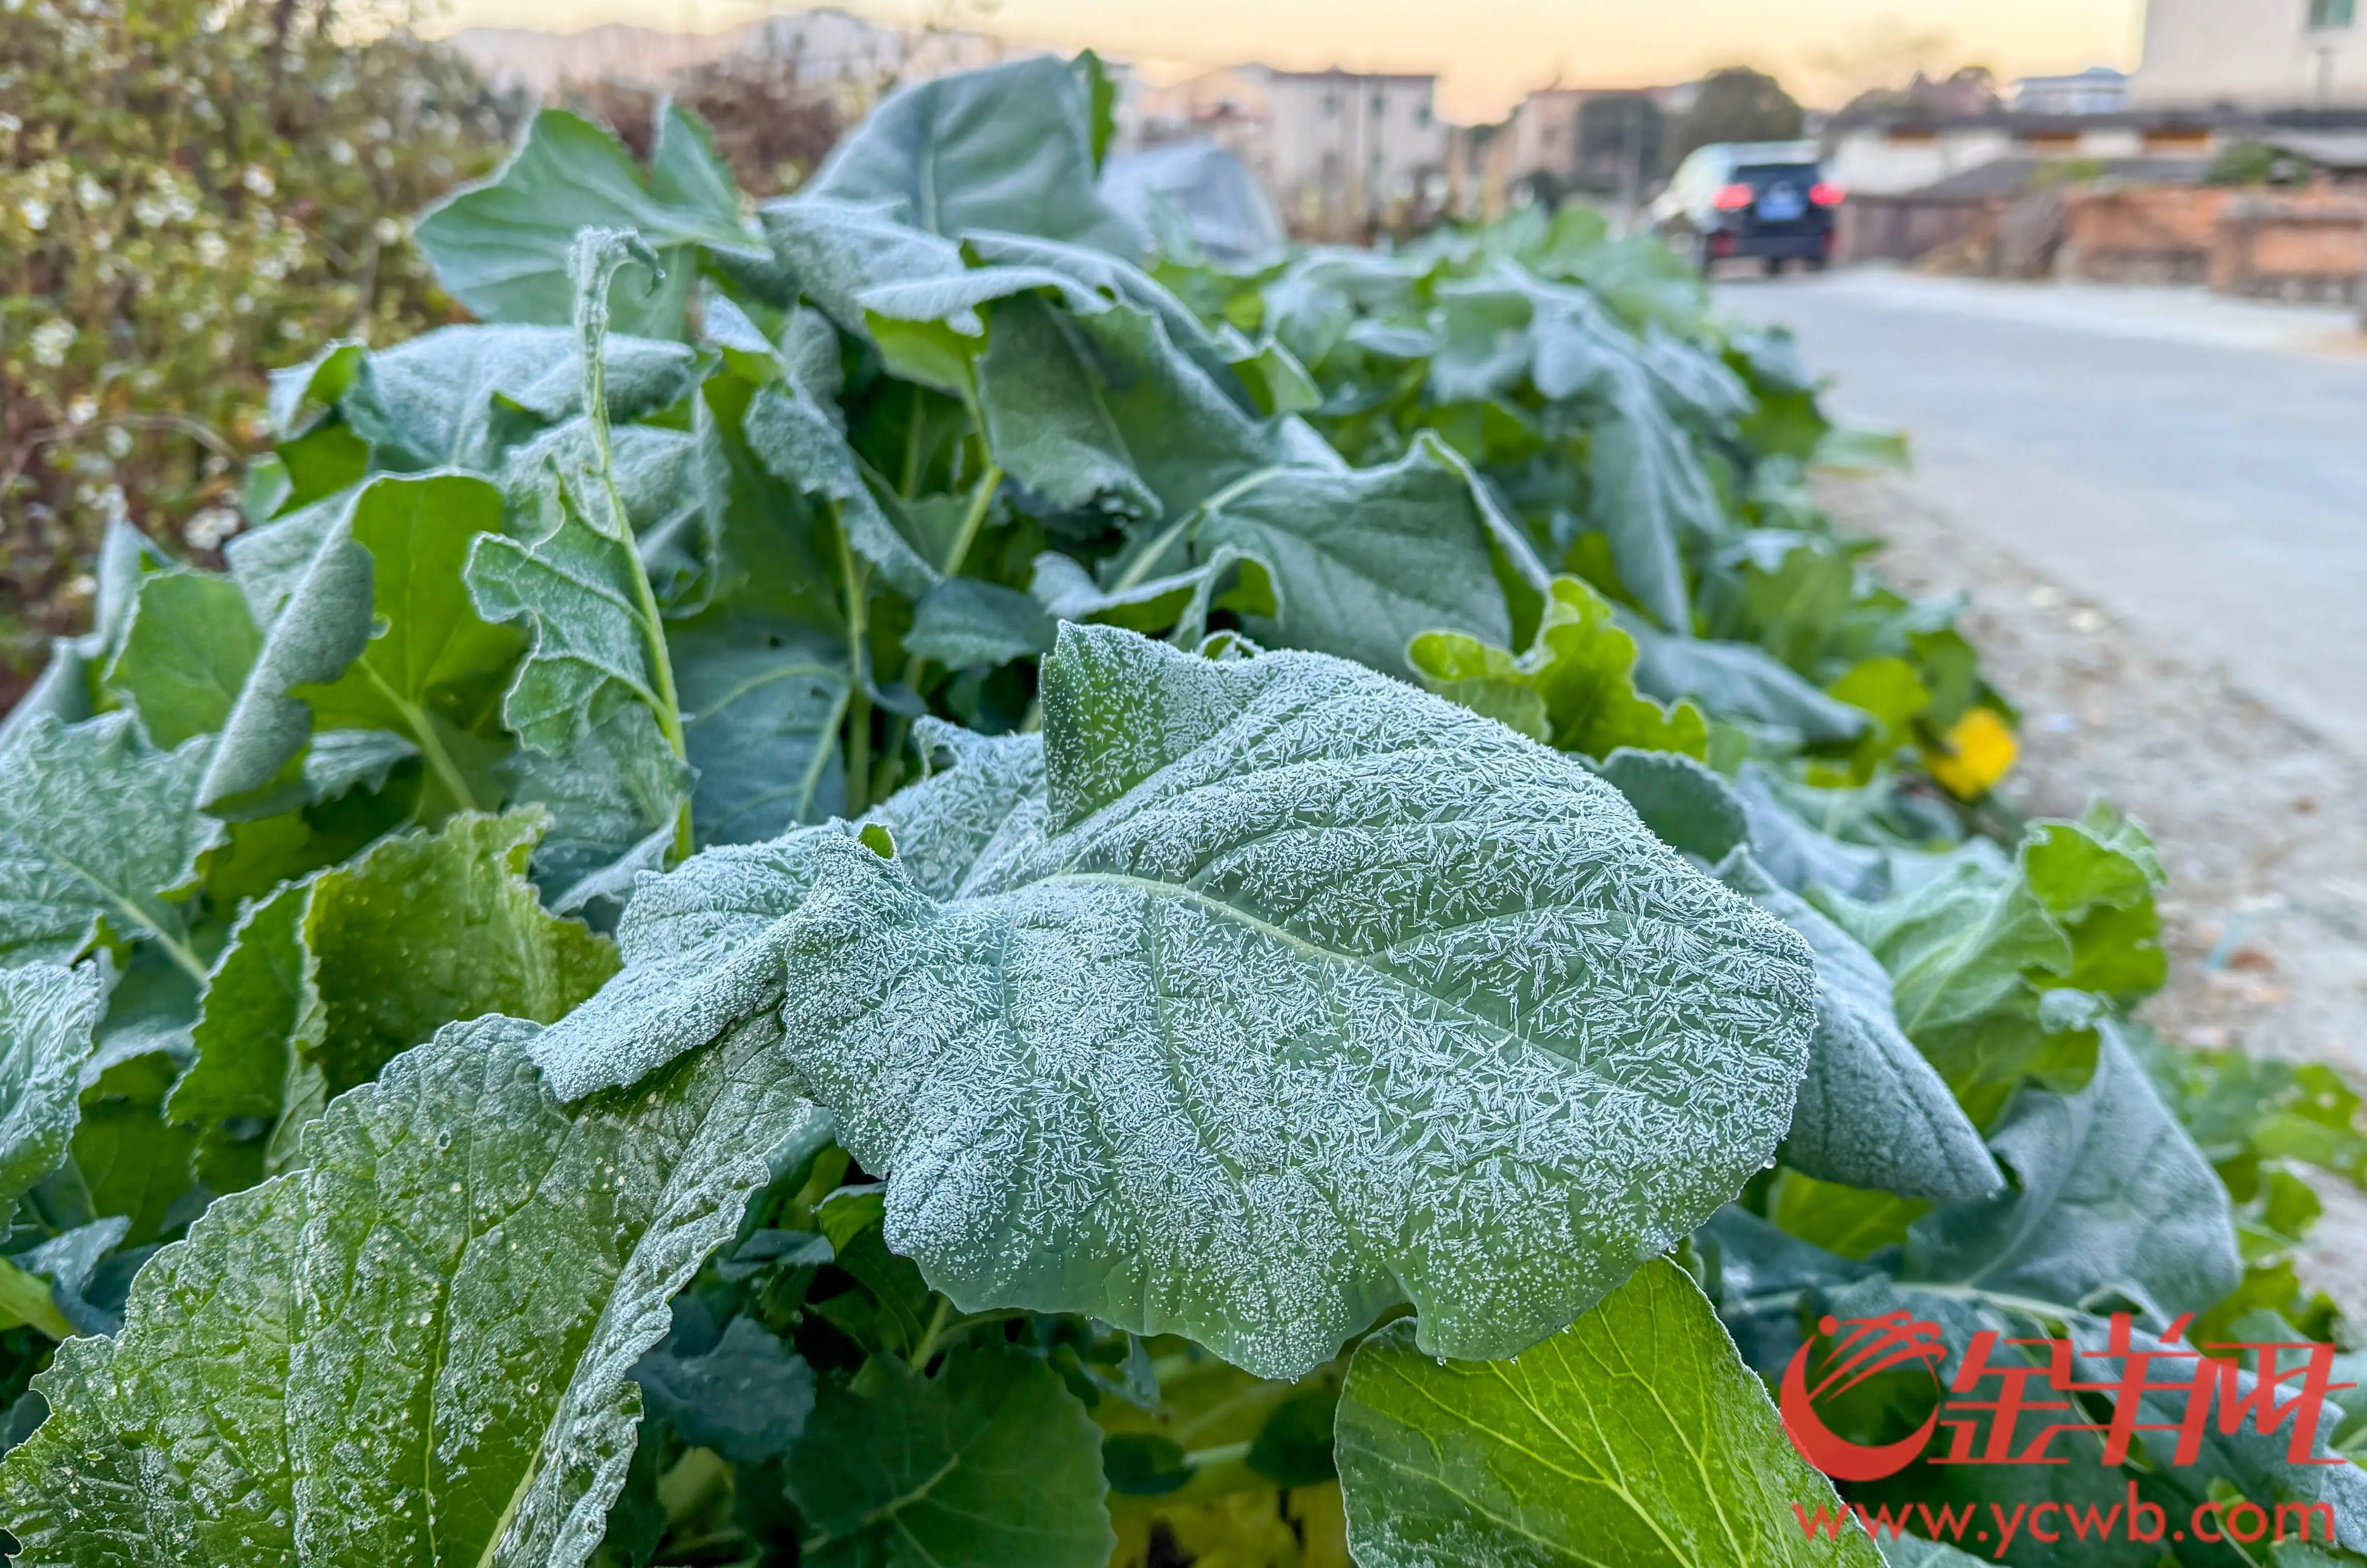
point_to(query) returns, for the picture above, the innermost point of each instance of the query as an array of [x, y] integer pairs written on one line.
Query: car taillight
[[1825, 193], [1733, 198]]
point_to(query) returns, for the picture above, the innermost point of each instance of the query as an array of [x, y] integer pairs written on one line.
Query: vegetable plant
[[903, 880]]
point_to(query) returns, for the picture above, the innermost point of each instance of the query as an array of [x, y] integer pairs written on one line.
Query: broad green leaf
[[2097, 876], [1008, 147], [1686, 806], [417, 1348], [963, 621], [1574, 689], [992, 1464], [1121, 281], [835, 250], [594, 698], [1247, 1045], [132, 1161], [1737, 681], [97, 827], [1104, 409], [186, 653], [1872, 1113], [1636, 1436], [376, 633], [1361, 561], [68, 684], [762, 703], [1799, 856], [704, 945], [501, 246], [47, 1014], [459, 397], [746, 1395], [331, 978], [804, 445], [1223, 580], [2110, 1194]]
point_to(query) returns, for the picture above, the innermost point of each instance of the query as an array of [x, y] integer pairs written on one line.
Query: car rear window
[[1759, 176]]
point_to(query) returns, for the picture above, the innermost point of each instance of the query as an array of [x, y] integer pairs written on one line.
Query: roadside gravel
[[2261, 823]]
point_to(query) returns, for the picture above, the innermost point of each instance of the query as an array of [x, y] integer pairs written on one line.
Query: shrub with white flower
[[150, 273]]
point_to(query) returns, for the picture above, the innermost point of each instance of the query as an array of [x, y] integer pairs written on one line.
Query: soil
[[2262, 822]]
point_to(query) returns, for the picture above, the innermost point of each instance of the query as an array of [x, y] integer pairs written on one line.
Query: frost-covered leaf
[[97, 826], [704, 943], [1574, 689], [1009, 147], [2110, 1193], [762, 700], [47, 1014], [746, 1395], [1736, 679], [331, 978], [1223, 580], [1636, 1436], [459, 397], [376, 633], [1872, 1113], [132, 1161], [418, 1348], [1686, 806], [963, 621], [1104, 410], [66, 687], [797, 439], [834, 250], [501, 246], [992, 1464], [186, 653], [1241, 1048], [1796, 854]]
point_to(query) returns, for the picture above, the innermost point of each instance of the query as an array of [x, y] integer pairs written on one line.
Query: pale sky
[[1488, 52]]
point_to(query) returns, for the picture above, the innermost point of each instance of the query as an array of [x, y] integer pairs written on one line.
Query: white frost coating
[[1872, 1113], [703, 943], [1321, 994]]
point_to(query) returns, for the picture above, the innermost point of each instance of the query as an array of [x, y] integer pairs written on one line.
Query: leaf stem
[[431, 750], [928, 1345], [858, 719], [1143, 564], [981, 501]]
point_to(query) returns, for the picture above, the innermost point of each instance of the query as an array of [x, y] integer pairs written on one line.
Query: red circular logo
[[1871, 1345]]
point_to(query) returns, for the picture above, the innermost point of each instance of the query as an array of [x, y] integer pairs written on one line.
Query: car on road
[[1738, 200]]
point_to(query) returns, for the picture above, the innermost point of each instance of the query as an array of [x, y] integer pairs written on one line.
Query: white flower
[[36, 213], [82, 410], [191, 320], [51, 340], [9, 123], [258, 180], [387, 232], [341, 153], [118, 441], [211, 248], [92, 195], [209, 528]]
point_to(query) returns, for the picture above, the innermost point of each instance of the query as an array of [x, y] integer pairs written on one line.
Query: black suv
[[1767, 199]]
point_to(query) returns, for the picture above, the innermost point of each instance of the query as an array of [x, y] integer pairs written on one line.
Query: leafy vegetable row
[[799, 902]]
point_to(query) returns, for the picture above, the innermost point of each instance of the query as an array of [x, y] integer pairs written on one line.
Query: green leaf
[[460, 397], [746, 1396], [1686, 806], [186, 653], [501, 246], [1872, 1113], [2110, 1194], [1227, 1052], [1578, 677], [132, 1161], [704, 945], [1737, 681], [416, 1349], [762, 702], [331, 978], [963, 621], [1635, 1435], [802, 445], [97, 827], [47, 1014], [377, 634], [1009, 147], [993, 1463]]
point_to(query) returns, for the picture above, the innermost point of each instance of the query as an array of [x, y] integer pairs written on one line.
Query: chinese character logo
[[1862, 1347]]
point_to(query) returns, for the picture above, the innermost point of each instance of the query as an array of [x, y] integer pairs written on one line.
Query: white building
[[2099, 89], [2254, 53], [1334, 148]]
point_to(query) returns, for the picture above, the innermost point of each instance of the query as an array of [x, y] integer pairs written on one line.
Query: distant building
[[2099, 89], [1890, 154], [1335, 149], [1602, 142], [2262, 54]]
